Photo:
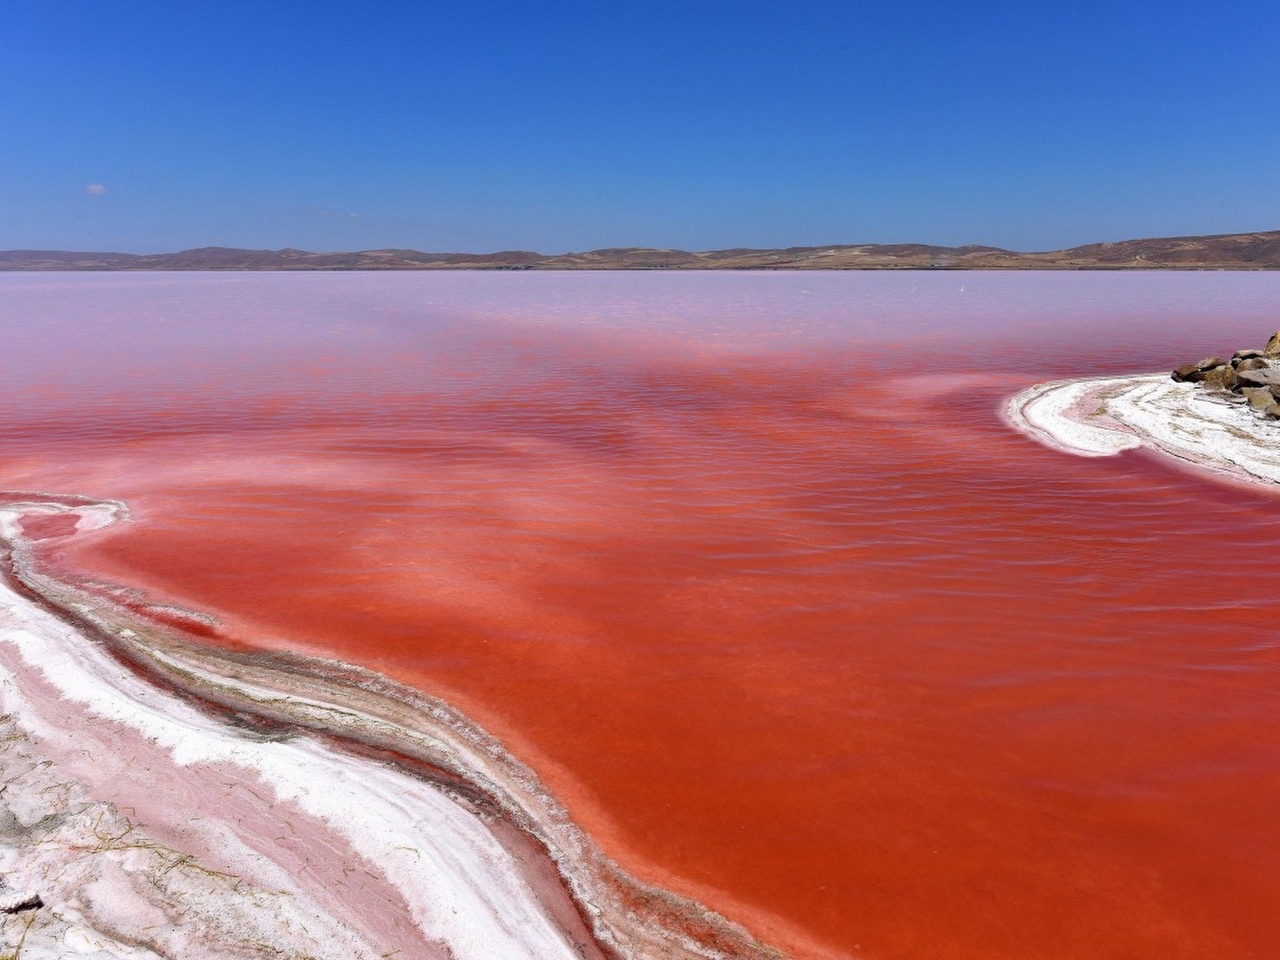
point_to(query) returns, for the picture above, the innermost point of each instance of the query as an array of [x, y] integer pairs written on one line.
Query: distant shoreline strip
[[1231, 251]]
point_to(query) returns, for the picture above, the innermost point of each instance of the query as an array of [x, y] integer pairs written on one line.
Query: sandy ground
[[158, 799]]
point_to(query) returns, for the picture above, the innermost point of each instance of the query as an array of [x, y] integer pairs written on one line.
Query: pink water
[[747, 566]]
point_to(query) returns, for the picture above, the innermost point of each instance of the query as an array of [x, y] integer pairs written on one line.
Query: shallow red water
[[747, 567]]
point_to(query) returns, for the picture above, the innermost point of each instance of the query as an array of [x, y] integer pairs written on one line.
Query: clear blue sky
[[553, 126]]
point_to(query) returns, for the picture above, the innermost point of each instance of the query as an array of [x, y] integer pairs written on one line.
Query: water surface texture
[[747, 567]]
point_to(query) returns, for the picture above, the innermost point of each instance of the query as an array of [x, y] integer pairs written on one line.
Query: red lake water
[[747, 567]]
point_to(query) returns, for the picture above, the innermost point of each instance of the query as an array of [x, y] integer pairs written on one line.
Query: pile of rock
[[1250, 376]]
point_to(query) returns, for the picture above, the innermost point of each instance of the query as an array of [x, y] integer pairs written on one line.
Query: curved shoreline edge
[[165, 796], [1103, 416]]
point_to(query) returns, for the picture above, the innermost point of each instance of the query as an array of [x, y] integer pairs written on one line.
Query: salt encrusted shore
[[161, 798], [1102, 416]]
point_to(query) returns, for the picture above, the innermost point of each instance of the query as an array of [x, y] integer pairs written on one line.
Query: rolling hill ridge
[[1235, 251]]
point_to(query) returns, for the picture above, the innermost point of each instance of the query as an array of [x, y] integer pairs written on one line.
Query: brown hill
[[1236, 251]]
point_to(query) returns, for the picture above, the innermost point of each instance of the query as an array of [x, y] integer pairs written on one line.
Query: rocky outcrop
[[1250, 377]]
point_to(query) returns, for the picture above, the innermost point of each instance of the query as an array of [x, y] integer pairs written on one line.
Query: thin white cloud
[[95, 189]]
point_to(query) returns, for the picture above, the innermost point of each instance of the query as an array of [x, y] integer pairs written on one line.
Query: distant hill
[[1233, 251]]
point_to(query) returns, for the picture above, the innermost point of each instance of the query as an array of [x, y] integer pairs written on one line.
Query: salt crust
[[87, 726], [1103, 416], [459, 884], [111, 890]]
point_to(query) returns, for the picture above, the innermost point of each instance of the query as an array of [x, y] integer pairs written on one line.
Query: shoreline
[[1104, 416], [1231, 251], [276, 779]]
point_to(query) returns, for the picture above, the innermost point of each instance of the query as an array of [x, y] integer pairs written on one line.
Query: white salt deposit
[[1103, 416], [463, 890]]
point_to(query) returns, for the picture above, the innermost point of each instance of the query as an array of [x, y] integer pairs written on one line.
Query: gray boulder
[[1264, 377]]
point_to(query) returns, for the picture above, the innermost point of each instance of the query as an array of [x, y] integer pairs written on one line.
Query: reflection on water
[[746, 566]]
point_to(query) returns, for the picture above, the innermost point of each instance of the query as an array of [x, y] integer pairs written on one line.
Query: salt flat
[[1106, 415]]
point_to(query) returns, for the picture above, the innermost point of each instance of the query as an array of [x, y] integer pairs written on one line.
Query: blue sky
[[149, 126]]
